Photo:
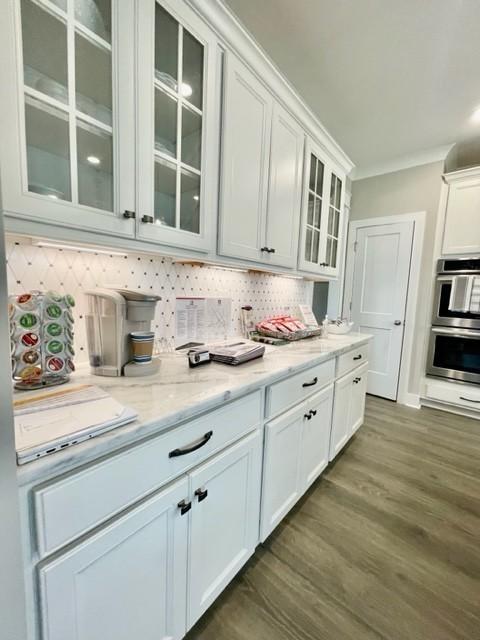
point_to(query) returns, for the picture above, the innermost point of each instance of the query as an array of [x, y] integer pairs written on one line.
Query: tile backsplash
[[70, 271]]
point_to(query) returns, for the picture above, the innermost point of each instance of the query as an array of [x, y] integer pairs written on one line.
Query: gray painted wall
[[12, 597], [407, 191]]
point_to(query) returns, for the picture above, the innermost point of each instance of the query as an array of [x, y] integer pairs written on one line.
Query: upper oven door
[[455, 354], [441, 314]]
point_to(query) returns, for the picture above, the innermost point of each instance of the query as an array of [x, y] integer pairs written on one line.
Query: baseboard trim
[[411, 400]]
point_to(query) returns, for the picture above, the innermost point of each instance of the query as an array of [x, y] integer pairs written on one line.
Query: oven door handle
[[467, 333]]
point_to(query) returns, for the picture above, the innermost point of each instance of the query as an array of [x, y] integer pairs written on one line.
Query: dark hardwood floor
[[385, 546]]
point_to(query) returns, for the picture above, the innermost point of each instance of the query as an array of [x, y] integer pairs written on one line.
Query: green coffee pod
[[69, 334], [69, 349], [53, 295], [54, 346], [69, 316], [69, 300], [28, 320], [54, 329], [53, 311]]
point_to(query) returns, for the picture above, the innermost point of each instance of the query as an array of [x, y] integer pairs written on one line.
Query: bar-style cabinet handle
[[312, 383], [182, 451], [184, 506], [469, 400], [201, 494], [359, 357]]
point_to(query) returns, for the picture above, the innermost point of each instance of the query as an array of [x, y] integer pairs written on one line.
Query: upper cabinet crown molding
[[461, 174], [461, 233], [237, 38]]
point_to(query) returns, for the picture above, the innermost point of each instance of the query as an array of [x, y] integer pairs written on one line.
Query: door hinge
[[355, 245]]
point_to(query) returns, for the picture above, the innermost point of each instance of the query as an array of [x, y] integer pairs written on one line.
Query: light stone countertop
[[177, 393]]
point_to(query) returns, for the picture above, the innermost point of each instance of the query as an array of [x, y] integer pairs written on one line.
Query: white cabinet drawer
[[354, 358], [451, 393], [69, 507], [286, 393]]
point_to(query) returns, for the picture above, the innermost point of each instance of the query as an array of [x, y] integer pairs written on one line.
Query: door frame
[[418, 219]]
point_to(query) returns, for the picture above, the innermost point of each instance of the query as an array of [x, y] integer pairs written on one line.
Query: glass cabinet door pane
[[165, 192], [166, 47], [48, 150], [317, 216], [95, 167], [338, 193], [192, 78], [44, 40], [315, 246], [165, 123], [313, 173], [311, 206], [93, 72], [191, 138], [308, 245], [190, 202], [96, 15], [319, 185]]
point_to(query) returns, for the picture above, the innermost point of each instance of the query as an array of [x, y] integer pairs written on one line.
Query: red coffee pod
[[55, 364], [30, 339], [70, 366]]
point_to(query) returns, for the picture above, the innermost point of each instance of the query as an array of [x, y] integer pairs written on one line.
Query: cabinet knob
[[128, 214], [184, 506], [147, 219], [397, 323], [201, 494]]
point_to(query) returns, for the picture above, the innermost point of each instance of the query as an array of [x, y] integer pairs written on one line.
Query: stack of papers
[[237, 352], [53, 421]]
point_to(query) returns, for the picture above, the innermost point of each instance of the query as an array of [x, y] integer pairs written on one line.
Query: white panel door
[[128, 581], [462, 222], [224, 520], [285, 189], [380, 286], [316, 436], [245, 157]]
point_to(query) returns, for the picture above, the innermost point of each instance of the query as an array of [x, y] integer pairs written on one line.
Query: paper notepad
[[56, 421]]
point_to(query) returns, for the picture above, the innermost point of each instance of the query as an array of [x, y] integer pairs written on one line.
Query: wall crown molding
[[427, 156]]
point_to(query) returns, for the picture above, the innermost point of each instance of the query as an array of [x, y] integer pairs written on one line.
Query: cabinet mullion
[[179, 126], [72, 100]]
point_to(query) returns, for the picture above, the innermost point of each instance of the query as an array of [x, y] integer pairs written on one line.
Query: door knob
[[397, 323]]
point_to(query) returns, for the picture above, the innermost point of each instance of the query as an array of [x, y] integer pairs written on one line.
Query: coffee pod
[[69, 333], [28, 320], [26, 301], [53, 329], [69, 300], [29, 339], [53, 311], [54, 347], [31, 374], [32, 356], [54, 364], [69, 317], [69, 366], [69, 349], [54, 296], [11, 310]]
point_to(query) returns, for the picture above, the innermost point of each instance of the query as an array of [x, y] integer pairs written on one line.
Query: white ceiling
[[387, 78]]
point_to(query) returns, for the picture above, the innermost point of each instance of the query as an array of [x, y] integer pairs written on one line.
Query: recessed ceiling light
[[475, 117], [186, 90], [93, 160]]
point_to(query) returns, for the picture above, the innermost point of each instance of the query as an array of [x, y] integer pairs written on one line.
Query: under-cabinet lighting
[[71, 247], [93, 160], [475, 117], [286, 275]]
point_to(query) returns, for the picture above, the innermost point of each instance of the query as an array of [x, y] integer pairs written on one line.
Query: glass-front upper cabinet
[[64, 91], [322, 218], [177, 137]]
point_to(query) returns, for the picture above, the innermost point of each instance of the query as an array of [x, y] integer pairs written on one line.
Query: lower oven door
[[455, 354]]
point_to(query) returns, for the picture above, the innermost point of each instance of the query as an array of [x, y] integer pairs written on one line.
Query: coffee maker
[[112, 315]]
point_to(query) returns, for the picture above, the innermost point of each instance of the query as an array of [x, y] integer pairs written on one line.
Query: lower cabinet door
[[349, 407], [224, 521], [316, 436], [127, 581], [281, 467], [357, 401]]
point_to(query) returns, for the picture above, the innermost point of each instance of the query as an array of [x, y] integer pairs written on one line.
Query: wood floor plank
[[385, 546]]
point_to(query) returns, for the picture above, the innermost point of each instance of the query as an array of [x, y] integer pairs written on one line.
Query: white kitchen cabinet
[[284, 190], [224, 520], [262, 157], [462, 216], [321, 230], [245, 158], [128, 581], [67, 113], [177, 126], [296, 452], [349, 407]]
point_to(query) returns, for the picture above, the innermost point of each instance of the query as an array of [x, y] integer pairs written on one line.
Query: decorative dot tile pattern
[[31, 267]]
